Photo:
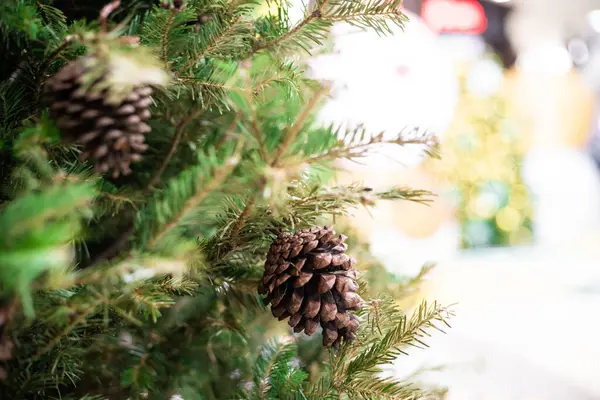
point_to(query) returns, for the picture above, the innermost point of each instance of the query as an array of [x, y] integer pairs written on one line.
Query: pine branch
[[239, 223], [290, 35], [174, 143], [219, 177], [370, 14], [213, 85], [34, 210], [358, 143], [264, 377], [412, 284], [296, 127], [313, 28], [406, 333], [369, 387], [76, 321], [254, 128], [165, 36], [274, 377], [215, 41]]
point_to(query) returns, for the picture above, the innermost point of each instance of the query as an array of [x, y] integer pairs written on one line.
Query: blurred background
[[511, 88]]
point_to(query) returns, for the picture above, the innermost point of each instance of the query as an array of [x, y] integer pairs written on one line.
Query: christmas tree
[[164, 180]]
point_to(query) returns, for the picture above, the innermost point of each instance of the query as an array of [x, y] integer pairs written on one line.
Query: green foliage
[[178, 202], [145, 286], [389, 333], [39, 226], [274, 373], [21, 17]]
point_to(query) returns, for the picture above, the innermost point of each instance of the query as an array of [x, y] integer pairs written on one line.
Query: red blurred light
[[454, 16]]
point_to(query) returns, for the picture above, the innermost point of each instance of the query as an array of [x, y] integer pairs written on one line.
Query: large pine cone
[[112, 135], [309, 278]]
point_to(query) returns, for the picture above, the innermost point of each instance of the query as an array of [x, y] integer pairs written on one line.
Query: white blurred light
[[579, 51], [501, 1], [593, 18], [386, 243], [548, 59], [389, 85], [462, 48], [566, 188], [485, 78]]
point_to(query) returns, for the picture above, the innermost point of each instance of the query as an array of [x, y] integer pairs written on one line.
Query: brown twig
[[265, 45], [165, 41], [237, 227], [280, 152], [219, 177], [296, 127], [174, 143], [66, 43], [211, 46], [80, 318], [105, 12], [253, 121], [228, 133]]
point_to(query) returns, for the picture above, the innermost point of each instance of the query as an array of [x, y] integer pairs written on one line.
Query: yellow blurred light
[[518, 199], [523, 235], [509, 219]]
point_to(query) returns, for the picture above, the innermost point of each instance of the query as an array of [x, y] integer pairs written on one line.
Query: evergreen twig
[[76, 321], [174, 143], [218, 179], [217, 40], [297, 127], [165, 36]]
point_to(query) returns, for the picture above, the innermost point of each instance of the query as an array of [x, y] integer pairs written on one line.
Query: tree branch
[[174, 143], [67, 329], [211, 46], [266, 45], [237, 227], [296, 127], [253, 123], [218, 179], [165, 34]]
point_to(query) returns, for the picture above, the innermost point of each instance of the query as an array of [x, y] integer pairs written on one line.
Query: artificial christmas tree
[[145, 286]]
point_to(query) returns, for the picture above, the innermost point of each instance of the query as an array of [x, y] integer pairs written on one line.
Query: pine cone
[[112, 135], [309, 278]]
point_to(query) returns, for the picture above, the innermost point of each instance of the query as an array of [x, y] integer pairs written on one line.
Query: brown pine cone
[[309, 278], [112, 135]]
